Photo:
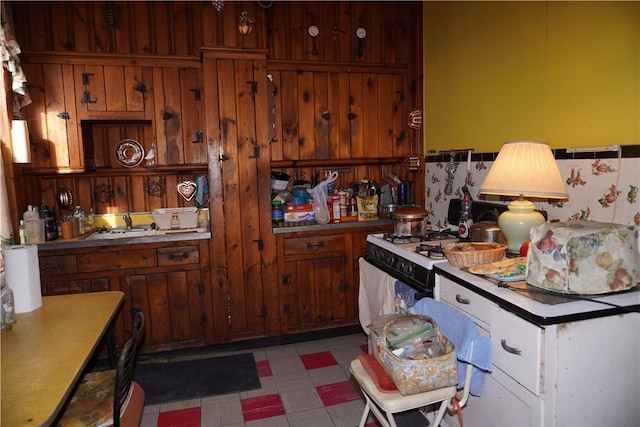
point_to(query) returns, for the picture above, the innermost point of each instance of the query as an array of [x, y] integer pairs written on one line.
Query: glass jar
[[277, 214]]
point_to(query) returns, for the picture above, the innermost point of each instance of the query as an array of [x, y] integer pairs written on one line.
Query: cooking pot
[[487, 231], [410, 221], [386, 211]]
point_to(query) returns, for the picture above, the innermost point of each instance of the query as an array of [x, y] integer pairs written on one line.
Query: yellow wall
[[567, 73]]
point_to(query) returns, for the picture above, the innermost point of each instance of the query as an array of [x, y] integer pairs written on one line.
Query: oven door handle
[[461, 300]]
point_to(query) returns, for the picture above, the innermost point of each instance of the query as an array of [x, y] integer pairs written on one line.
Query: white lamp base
[[516, 223]]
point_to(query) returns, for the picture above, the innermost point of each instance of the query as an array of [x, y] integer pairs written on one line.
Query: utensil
[[410, 221], [450, 169], [65, 198]]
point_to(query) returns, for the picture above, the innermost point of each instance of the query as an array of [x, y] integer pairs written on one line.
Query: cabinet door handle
[[58, 266], [510, 349], [461, 300], [184, 255], [320, 244]]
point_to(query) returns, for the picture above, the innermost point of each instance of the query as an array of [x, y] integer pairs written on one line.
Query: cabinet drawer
[[477, 307], [58, 264], [516, 347], [178, 255], [314, 245], [116, 260]]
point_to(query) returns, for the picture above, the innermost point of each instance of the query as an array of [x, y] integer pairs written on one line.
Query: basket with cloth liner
[[416, 355], [467, 254]]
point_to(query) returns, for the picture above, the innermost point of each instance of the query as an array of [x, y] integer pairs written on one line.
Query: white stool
[[394, 402]]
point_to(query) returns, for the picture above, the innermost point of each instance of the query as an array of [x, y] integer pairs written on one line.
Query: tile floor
[[303, 384]]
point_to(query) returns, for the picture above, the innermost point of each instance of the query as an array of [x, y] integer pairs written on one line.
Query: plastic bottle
[[34, 225], [464, 226], [23, 233], [8, 315], [89, 220], [50, 225], [30, 213], [79, 213]]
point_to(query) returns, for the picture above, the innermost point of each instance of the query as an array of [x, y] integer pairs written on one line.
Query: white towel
[[376, 294]]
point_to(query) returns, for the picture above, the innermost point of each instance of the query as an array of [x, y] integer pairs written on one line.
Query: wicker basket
[[467, 254]]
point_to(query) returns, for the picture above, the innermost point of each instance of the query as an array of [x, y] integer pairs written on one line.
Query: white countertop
[[539, 312]]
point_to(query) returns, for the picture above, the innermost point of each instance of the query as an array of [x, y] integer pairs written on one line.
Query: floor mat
[[193, 379]]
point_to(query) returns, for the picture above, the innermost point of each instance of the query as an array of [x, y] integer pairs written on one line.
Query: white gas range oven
[[409, 259]]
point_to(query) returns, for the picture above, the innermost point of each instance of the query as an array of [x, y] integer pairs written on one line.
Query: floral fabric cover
[[584, 257], [413, 376], [92, 403]]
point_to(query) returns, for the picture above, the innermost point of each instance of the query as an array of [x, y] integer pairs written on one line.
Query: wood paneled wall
[[180, 28], [149, 34]]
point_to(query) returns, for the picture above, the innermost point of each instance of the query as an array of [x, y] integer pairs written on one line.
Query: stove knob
[[406, 267], [390, 258]]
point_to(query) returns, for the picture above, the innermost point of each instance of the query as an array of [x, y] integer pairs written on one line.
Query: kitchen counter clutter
[[126, 237], [557, 359]]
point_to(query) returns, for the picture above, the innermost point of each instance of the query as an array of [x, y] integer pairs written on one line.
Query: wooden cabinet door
[[52, 118], [243, 259], [338, 114], [179, 116], [174, 306], [113, 92], [315, 293], [316, 286]]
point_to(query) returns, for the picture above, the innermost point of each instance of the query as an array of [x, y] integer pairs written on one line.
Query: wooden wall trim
[[112, 59], [333, 66], [231, 53]]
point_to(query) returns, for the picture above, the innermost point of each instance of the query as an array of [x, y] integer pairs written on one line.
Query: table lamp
[[523, 169]]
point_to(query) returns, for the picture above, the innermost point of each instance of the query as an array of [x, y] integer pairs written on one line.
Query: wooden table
[[45, 353]]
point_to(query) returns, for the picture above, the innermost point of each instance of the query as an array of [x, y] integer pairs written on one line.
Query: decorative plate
[[129, 153], [508, 270]]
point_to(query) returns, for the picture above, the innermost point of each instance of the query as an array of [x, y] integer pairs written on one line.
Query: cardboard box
[[299, 208], [300, 216]]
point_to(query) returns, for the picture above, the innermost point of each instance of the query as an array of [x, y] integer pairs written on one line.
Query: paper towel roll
[[23, 276]]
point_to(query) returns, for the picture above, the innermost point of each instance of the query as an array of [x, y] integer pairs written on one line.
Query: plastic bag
[[320, 208]]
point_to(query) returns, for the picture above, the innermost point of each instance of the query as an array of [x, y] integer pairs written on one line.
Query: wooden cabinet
[[52, 117], [109, 91], [243, 259], [339, 114], [318, 277], [178, 114], [316, 287], [169, 282]]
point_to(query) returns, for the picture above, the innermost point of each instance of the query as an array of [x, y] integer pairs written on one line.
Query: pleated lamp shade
[[527, 169], [523, 169]]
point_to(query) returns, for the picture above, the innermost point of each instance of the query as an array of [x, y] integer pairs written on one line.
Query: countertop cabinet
[[169, 282], [316, 287], [318, 277], [581, 371]]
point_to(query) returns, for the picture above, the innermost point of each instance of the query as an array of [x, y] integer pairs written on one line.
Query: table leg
[[111, 347]]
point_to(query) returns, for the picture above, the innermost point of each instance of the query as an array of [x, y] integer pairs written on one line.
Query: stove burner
[[431, 235], [398, 239], [431, 251], [440, 235]]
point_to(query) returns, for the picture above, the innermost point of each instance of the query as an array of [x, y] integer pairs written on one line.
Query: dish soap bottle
[[464, 226]]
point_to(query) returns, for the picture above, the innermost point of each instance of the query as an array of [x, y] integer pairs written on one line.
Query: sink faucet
[[127, 220]]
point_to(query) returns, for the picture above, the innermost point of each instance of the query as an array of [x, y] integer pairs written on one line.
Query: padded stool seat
[[392, 402]]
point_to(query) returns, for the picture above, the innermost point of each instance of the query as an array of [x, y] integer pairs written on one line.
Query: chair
[[381, 399], [380, 393], [111, 397]]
